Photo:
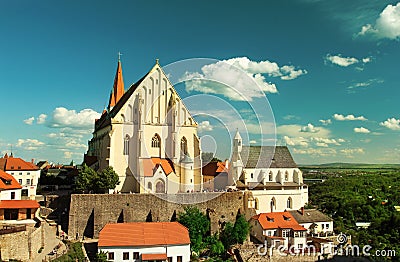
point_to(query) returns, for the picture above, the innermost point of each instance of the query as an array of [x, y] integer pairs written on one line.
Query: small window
[[251, 175], [135, 255], [150, 91], [12, 195], [126, 145], [20, 181], [110, 255], [125, 256], [179, 259], [19, 167], [12, 167], [12, 173], [28, 173], [327, 226], [150, 186], [28, 182], [169, 259], [20, 173], [155, 141]]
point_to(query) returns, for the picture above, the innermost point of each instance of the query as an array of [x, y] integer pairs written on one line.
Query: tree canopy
[[97, 182]]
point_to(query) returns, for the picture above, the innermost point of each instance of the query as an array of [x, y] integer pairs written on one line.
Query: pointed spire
[[237, 135], [6, 155], [118, 88]]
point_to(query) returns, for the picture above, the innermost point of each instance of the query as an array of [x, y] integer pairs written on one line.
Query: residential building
[[145, 241], [11, 205], [270, 173], [279, 229], [148, 136], [26, 173], [215, 176], [316, 222]]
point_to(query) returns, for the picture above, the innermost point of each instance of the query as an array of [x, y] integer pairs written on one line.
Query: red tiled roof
[[12, 184], [118, 88], [150, 164], [146, 257], [275, 220], [15, 163], [143, 234], [214, 168], [8, 204]]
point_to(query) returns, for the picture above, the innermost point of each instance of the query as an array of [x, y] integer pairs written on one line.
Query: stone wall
[[22, 246], [89, 213]]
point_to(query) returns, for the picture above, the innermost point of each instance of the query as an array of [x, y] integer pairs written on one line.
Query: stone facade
[[90, 212]]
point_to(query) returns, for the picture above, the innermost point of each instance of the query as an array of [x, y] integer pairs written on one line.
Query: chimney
[[302, 211], [32, 160]]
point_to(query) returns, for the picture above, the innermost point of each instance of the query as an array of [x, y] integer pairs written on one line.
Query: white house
[[26, 173], [316, 222], [143, 126], [11, 206], [145, 241], [279, 229], [271, 174]]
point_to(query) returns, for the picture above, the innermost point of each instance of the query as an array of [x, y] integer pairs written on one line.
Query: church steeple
[[118, 88]]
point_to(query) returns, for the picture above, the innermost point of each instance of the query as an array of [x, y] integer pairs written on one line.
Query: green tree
[[107, 179], [198, 225], [235, 233], [101, 257], [85, 179], [215, 245]]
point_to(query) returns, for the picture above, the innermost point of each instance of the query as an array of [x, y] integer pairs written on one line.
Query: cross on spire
[[119, 56]]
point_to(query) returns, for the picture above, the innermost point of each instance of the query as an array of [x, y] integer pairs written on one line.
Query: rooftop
[[150, 165], [278, 220], [143, 234], [10, 163], [7, 181], [267, 157], [11, 204], [310, 216]]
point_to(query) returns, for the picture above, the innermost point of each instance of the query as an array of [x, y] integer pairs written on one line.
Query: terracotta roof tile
[[8, 204], [15, 163], [277, 220], [7, 181], [151, 164], [143, 234]]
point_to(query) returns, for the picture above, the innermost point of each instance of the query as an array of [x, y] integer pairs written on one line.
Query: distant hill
[[351, 165]]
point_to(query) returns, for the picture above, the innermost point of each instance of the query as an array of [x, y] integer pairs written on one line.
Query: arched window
[[273, 204], [150, 186], [251, 175], [160, 187], [270, 176], [289, 203], [126, 145], [184, 147], [156, 141]]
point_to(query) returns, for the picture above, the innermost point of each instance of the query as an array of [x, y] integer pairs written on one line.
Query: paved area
[[50, 243]]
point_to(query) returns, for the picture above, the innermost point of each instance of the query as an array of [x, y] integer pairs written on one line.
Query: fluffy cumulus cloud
[[340, 117], [295, 141], [345, 61], [386, 26], [325, 122], [29, 144], [205, 126], [309, 129], [391, 123], [41, 119], [350, 152], [295, 131], [63, 117], [239, 78], [29, 121], [361, 130]]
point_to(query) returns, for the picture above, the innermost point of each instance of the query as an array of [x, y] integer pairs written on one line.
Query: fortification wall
[[89, 213]]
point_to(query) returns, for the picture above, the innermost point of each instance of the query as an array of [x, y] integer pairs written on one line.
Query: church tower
[[237, 165], [118, 88]]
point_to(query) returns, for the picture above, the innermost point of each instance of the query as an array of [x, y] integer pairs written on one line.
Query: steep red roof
[[7, 181], [214, 168], [275, 220], [15, 163], [10, 204], [118, 88], [143, 234], [150, 164]]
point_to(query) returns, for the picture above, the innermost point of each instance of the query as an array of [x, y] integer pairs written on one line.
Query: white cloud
[[239, 78], [205, 126], [391, 123], [252, 142], [315, 151], [29, 121], [361, 130], [41, 119], [341, 61], [327, 141], [295, 131], [298, 141], [63, 117], [29, 144], [366, 83], [387, 25], [325, 122], [351, 151], [340, 117], [309, 129]]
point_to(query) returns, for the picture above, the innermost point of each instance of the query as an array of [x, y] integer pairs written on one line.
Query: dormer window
[[7, 182], [19, 167], [12, 167], [286, 218], [270, 219]]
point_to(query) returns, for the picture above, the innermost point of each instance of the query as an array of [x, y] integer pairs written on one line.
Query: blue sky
[[335, 61]]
